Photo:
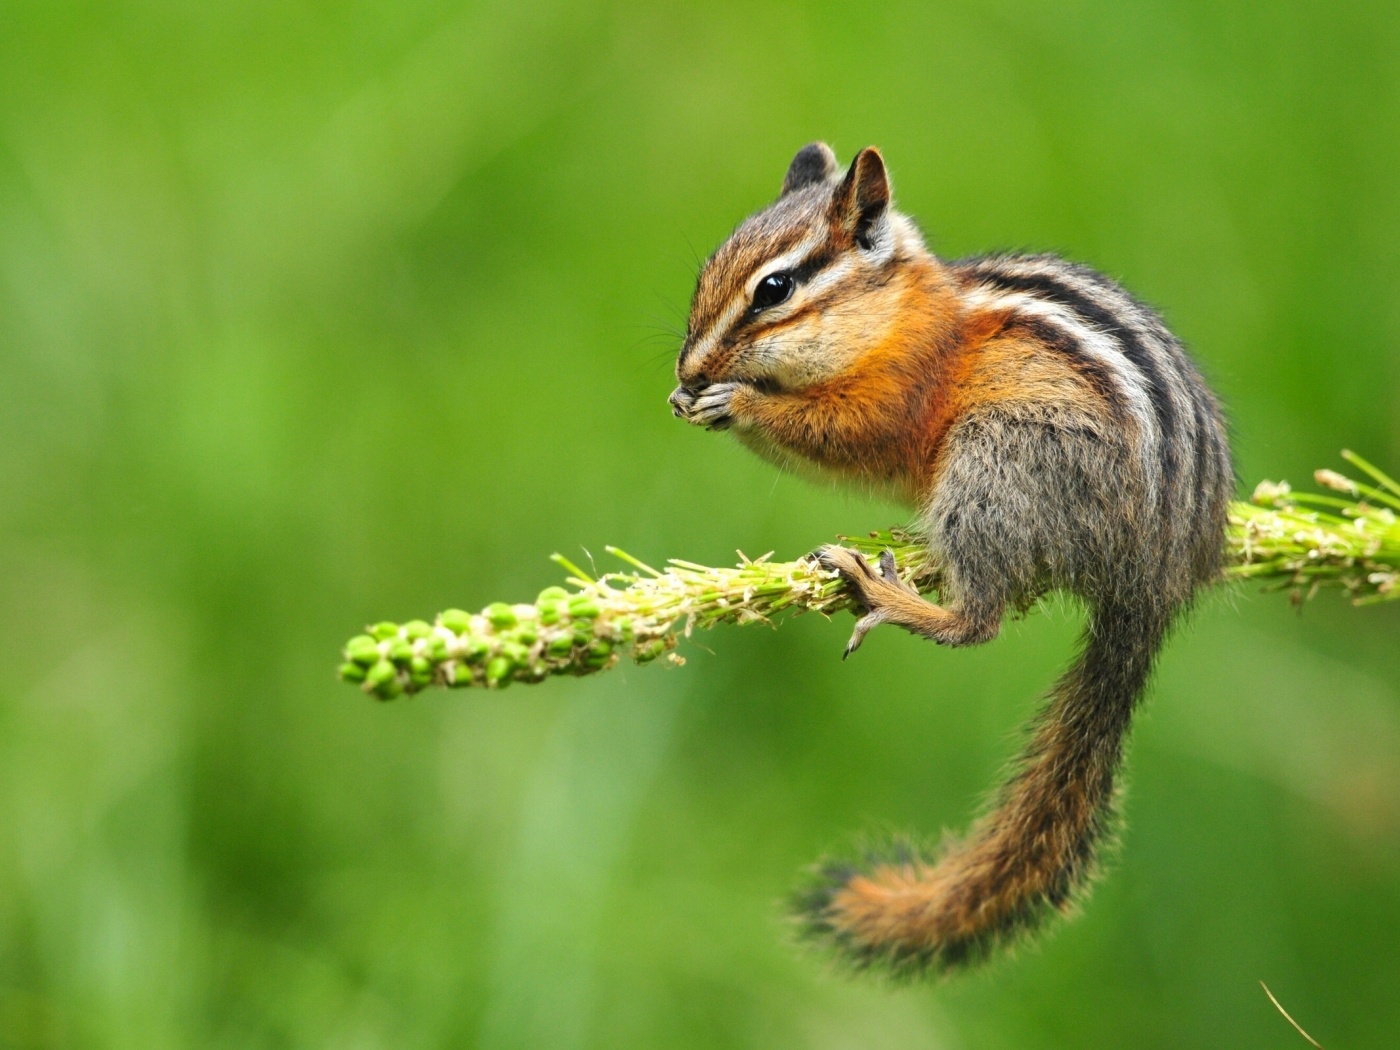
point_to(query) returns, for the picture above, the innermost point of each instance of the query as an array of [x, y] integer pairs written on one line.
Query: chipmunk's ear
[[814, 163], [862, 202]]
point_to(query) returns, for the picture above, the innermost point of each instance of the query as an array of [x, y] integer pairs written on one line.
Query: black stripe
[[1198, 491], [1212, 449], [807, 270], [1212, 480], [1049, 288], [815, 263], [1093, 371], [802, 273]]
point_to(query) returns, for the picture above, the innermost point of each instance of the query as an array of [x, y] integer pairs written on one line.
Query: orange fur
[[1051, 433], [880, 418], [883, 418], [919, 903]]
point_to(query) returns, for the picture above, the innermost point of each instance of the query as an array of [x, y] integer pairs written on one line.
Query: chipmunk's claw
[[849, 563], [865, 583], [889, 569], [862, 628], [857, 572]]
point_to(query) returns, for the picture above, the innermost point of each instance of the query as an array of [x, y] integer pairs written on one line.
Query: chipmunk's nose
[[681, 399]]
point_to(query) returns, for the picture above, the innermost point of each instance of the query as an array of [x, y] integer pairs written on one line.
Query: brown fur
[[1052, 435]]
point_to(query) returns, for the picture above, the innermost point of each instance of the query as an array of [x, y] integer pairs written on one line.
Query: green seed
[[561, 646], [527, 633], [437, 648], [474, 649], [419, 666], [583, 608], [515, 652], [456, 621], [462, 676], [385, 630], [649, 651], [500, 614], [380, 673], [417, 629], [363, 650], [552, 594], [622, 628], [551, 612], [498, 671], [598, 653], [388, 690], [352, 673], [401, 652]]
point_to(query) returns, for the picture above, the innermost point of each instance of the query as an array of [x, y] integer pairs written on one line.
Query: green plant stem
[[1299, 542]]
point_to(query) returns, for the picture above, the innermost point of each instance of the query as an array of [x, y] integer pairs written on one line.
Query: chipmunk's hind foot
[[888, 599]]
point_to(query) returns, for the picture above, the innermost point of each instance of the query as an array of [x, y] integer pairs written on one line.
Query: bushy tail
[[1031, 856]]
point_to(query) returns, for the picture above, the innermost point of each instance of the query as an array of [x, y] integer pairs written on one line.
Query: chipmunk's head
[[795, 293]]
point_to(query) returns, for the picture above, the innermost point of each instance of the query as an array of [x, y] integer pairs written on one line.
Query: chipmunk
[[1052, 435]]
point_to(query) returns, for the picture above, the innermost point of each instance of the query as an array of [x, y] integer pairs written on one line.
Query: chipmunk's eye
[[772, 290]]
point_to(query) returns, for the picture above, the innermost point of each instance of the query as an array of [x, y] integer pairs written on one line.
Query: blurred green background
[[313, 314]]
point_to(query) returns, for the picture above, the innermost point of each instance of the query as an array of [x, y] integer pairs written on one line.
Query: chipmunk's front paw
[[710, 407], [876, 590], [714, 407]]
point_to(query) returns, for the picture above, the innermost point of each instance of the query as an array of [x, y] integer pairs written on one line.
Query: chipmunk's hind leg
[[888, 599]]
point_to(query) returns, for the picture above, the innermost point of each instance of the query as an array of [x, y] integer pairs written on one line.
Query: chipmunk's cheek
[[796, 361]]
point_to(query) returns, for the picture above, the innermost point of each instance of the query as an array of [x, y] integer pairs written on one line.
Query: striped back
[[1120, 342]]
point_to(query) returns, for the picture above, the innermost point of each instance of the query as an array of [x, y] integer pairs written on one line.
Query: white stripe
[[1139, 318], [1098, 345], [787, 261], [829, 277], [1127, 311], [736, 309], [701, 350]]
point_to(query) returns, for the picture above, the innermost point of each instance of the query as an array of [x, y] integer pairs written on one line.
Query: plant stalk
[[1347, 538]]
